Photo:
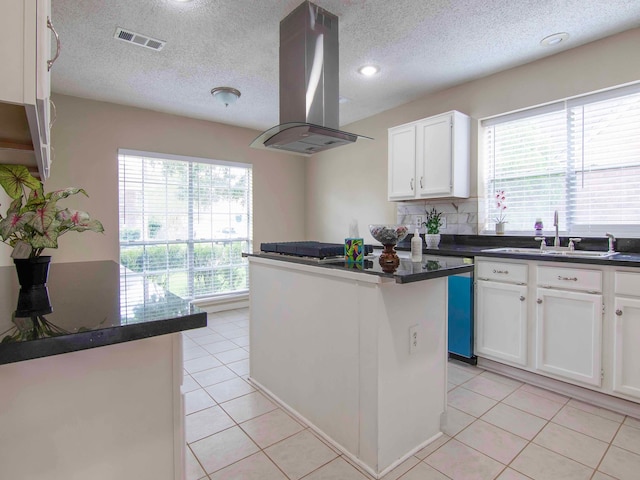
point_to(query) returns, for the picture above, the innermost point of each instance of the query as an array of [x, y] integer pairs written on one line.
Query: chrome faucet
[[556, 240], [612, 239]]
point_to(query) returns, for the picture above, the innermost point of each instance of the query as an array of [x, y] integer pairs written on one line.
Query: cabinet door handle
[[54, 116], [506, 272], [619, 312], [539, 301], [571, 279], [421, 186], [522, 298], [55, 57], [411, 183]]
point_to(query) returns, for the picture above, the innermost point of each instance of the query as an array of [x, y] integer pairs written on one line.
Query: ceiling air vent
[[138, 39]]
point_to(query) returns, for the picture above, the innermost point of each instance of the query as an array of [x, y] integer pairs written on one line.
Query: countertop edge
[[338, 269], [49, 346]]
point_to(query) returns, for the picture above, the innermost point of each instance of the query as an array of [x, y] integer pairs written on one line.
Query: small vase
[[389, 260], [500, 228], [32, 272], [432, 240]]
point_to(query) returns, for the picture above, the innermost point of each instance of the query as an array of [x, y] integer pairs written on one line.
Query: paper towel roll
[[353, 229]]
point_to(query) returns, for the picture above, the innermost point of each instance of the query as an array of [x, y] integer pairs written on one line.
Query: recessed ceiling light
[[553, 40], [368, 70]]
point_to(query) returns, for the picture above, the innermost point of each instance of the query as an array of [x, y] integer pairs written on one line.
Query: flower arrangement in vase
[[432, 224], [501, 205], [34, 221]]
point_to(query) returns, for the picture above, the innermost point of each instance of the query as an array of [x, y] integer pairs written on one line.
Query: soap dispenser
[[416, 247]]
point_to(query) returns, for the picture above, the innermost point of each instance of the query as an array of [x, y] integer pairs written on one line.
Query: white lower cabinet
[[501, 321], [626, 334], [569, 335], [573, 322]]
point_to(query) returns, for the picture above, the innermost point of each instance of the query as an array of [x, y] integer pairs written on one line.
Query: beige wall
[[351, 182], [86, 138]]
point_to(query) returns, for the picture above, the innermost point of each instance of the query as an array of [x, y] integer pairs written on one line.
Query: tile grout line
[[339, 455]]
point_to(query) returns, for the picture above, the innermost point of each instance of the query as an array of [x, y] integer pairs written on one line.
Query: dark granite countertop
[[475, 245], [86, 305], [431, 266]]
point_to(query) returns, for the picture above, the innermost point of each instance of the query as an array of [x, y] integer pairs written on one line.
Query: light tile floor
[[497, 428]]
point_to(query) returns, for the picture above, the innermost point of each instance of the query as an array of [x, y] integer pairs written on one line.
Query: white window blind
[[580, 157], [184, 222]]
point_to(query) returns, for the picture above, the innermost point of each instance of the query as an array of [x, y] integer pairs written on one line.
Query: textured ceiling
[[421, 46]]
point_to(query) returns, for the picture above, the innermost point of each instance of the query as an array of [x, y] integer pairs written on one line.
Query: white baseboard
[[598, 399], [221, 304]]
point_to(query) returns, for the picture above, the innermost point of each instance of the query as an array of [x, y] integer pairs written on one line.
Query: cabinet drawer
[[503, 272], [570, 278], [627, 283]]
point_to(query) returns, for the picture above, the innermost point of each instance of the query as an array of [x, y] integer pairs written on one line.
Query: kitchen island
[[91, 369], [356, 352]]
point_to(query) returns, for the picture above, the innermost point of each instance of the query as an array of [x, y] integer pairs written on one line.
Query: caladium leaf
[[67, 192], [78, 221], [48, 239], [14, 221], [44, 218], [14, 178], [36, 198]]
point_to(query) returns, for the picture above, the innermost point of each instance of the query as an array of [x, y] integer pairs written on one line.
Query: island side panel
[[411, 386], [102, 413], [304, 344]]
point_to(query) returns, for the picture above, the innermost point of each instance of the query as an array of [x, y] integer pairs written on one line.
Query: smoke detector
[[139, 39]]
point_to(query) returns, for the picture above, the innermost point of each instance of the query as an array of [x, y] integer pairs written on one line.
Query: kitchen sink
[[562, 252], [579, 254], [519, 251]]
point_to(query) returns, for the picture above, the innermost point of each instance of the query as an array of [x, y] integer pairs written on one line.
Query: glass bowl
[[389, 234]]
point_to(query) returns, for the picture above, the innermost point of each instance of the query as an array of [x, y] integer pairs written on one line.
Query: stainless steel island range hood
[[309, 85]]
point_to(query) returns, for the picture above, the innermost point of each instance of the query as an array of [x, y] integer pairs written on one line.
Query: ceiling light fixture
[[226, 95], [553, 40], [368, 70]]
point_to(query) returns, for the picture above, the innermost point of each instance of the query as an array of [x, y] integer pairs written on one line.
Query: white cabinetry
[[501, 311], [402, 164], [429, 158], [569, 323], [25, 44], [102, 413], [626, 321]]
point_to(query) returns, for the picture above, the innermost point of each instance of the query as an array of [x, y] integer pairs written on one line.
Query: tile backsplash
[[460, 214]]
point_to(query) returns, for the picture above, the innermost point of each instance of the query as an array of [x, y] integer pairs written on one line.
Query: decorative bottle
[[416, 247], [538, 226]]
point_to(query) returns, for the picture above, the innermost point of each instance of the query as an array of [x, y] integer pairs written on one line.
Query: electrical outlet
[[414, 339], [444, 222], [419, 220]]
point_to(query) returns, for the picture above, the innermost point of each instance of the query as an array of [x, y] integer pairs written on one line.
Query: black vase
[[32, 272], [33, 301]]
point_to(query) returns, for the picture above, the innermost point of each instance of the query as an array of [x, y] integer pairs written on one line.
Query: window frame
[[485, 199], [192, 269]]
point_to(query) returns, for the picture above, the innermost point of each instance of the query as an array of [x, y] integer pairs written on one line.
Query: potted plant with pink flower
[[34, 221], [501, 206]]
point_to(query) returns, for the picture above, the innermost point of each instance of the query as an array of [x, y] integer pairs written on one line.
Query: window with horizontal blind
[[580, 156], [184, 222]]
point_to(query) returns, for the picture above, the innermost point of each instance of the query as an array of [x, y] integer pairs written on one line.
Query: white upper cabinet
[[25, 46], [402, 167], [429, 158]]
